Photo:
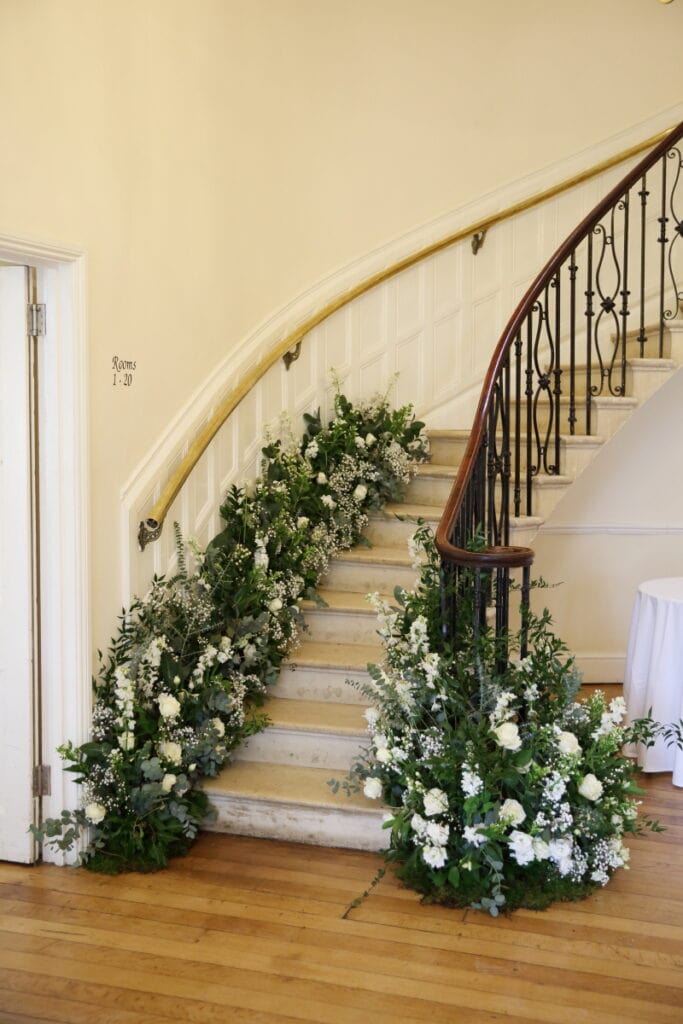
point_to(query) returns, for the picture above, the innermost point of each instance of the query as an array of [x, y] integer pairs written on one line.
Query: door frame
[[64, 509]]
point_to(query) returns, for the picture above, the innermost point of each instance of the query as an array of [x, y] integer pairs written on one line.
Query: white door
[[17, 805]]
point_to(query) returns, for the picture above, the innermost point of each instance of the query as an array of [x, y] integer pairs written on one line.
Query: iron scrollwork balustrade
[[566, 348]]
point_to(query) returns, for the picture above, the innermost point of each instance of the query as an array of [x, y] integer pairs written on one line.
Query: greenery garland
[[504, 790], [182, 682]]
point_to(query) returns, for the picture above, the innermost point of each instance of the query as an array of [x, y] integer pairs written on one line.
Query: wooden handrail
[[516, 557], [151, 526]]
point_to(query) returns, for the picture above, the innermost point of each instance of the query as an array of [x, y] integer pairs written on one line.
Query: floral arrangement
[[503, 790], [181, 685]]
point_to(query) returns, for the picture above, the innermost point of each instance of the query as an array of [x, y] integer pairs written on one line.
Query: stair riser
[[642, 383], [542, 417], [392, 533], [341, 627], [304, 749], [672, 348], [448, 451], [269, 819], [605, 419], [429, 490], [328, 685], [367, 578]]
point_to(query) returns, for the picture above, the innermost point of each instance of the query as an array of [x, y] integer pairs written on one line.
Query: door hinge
[[42, 780], [36, 319]]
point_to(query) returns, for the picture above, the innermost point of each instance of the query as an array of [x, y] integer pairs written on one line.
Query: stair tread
[[316, 716], [409, 509], [436, 469], [286, 784], [351, 601], [377, 555], [350, 656]]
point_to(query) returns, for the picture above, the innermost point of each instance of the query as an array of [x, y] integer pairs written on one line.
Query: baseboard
[[601, 668]]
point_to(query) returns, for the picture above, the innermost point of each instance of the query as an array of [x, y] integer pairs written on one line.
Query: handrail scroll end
[[148, 531]]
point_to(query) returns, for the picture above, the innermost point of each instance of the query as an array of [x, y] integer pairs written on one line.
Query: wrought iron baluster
[[625, 205], [663, 220], [557, 373], [589, 293], [524, 608], [529, 393], [492, 470], [502, 617], [643, 193], [670, 314], [572, 341], [505, 455], [518, 424]]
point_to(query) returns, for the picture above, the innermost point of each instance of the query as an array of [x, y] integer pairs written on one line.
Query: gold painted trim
[[150, 528]]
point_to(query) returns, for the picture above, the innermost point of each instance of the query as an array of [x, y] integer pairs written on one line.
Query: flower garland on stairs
[[182, 682], [504, 790]]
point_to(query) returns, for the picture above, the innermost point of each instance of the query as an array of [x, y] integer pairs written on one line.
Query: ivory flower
[[168, 782], [275, 605], [512, 812], [435, 856], [169, 707], [360, 492], [170, 751], [436, 802], [127, 741], [372, 788], [590, 787], [218, 726], [95, 813], [328, 500], [321, 478], [370, 440], [507, 736], [522, 847], [568, 743]]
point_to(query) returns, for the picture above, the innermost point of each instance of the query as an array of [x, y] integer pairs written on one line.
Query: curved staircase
[[277, 786]]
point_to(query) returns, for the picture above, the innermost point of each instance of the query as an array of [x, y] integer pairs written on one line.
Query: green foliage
[[180, 686]]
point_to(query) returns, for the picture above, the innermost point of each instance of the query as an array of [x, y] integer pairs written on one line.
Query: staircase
[[277, 787]]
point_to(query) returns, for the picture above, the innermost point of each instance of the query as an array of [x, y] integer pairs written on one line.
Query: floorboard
[[261, 932]]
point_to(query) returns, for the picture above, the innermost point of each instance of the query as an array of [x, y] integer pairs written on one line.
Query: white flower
[[168, 782], [471, 782], [169, 707], [170, 751], [127, 741], [541, 848], [328, 500], [95, 813], [261, 558], [359, 442], [321, 478], [418, 824], [560, 853], [370, 440], [436, 802], [383, 755], [371, 716], [302, 522], [507, 736], [372, 788], [380, 740], [360, 492], [568, 743], [473, 834], [512, 812], [435, 856], [275, 605], [522, 847], [312, 450], [218, 726], [590, 787], [437, 834]]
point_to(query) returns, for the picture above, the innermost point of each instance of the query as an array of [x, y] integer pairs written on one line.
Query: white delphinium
[[261, 559], [472, 783], [371, 716], [127, 740], [430, 667], [560, 853], [311, 450], [522, 847], [501, 711], [418, 635], [474, 835], [611, 719]]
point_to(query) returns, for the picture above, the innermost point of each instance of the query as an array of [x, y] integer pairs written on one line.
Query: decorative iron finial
[[148, 531]]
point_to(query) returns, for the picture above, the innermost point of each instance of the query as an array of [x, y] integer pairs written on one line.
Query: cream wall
[[215, 158]]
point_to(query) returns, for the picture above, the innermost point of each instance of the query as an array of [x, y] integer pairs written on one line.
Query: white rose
[[418, 824], [170, 751], [321, 478], [568, 743], [437, 834], [383, 755], [95, 813], [512, 812], [507, 736], [218, 726], [169, 707], [275, 605], [127, 741], [436, 802], [541, 848], [360, 492], [434, 856], [328, 500], [522, 847], [372, 788], [302, 522], [168, 782], [370, 440], [590, 787]]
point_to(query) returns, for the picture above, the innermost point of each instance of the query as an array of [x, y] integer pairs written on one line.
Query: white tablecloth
[[654, 668]]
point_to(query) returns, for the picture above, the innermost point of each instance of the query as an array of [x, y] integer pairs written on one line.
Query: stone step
[[576, 451], [366, 570], [607, 415], [386, 530], [292, 803], [431, 484], [672, 338], [311, 734], [643, 377], [322, 671], [348, 617]]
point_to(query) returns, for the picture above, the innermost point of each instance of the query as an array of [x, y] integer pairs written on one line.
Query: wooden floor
[[257, 931]]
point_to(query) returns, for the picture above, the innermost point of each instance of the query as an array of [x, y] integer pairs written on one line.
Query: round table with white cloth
[[654, 669]]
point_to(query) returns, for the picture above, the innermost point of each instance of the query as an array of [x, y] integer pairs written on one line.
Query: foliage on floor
[[181, 684], [504, 790]]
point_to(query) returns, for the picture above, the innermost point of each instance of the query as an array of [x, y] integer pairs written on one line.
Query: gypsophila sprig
[[505, 790], [183, 679]]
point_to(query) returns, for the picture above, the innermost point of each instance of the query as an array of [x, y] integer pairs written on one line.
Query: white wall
[[214, 159]]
